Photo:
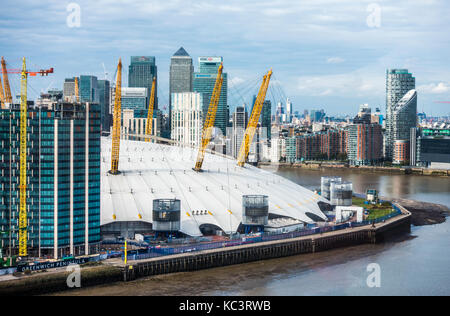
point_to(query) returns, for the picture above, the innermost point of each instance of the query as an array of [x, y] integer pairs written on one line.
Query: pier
[[266, 250]]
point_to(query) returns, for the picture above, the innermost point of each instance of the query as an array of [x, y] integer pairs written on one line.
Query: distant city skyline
[[324, 54]]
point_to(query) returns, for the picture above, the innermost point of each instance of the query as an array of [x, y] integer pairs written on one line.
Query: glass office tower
[[89, 89], [104, 102], [141, 71], [204, 82], [63, 179], [181, 70]]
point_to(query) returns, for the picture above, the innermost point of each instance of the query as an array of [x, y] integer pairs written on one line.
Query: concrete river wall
[[267, 250]]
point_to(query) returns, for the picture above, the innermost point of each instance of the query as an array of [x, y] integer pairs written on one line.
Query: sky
[[324, 54]]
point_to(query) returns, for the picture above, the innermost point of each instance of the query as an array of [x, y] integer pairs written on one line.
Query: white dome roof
[[153, 171]]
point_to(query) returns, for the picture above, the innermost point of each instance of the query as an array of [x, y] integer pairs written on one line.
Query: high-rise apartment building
[[63, 179], [141, 71], [365, 143], [204, 82], [187, 118], [398, 83]]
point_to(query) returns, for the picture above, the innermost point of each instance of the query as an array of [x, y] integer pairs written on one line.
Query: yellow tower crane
[[254, 119], [116, 122], [2, 95], [151, 105], [7, 96], [210, 119], [23, 222], [77, 90], [23, 163]]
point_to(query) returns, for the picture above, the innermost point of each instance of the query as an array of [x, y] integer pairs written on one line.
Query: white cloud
[[335, 60], [434, 88], [356, 83]]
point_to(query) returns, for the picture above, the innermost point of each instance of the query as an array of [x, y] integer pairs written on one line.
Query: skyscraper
[[204, 81], [266, 118], [240, 121], [63, 179], [141, 71], [288, 111], [398, 83], [89, 89], [132, 99], [69, 89], [104, 101], [187, 117], [181, 71]]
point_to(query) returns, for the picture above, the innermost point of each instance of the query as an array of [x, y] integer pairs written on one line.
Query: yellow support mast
[[210, 119], [116, 122], [23, 233], [151, 106], [8, 97], [77, 90], [254, 119], [2, 96]]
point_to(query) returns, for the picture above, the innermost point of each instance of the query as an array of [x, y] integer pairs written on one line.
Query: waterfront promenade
[[115, 270]]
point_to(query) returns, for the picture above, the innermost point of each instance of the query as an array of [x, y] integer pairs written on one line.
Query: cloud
[[335, 60], [434, 88]]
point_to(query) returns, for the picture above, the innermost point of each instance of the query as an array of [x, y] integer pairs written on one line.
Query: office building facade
[[204, 82], [63, 179], [88, 89], [104, 91], [239, 124], [181, 74], [430, 147], [132, 99], [69, 90], [141, 71]]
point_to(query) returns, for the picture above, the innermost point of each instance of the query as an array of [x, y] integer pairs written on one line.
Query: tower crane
[[7, 95], [210, 119], [116, 122], [2, 96], [254, 119], [151, 105], [77, 90], [23, 222]]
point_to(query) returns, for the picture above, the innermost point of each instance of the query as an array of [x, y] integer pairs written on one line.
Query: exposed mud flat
[[423, 213]]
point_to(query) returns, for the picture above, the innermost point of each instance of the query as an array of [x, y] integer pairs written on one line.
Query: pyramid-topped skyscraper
[[181, 70]]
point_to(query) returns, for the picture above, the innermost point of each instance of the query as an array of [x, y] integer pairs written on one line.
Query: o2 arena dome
[[210, 201]]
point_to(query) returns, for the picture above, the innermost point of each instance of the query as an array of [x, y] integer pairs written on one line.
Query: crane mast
[[23, 252], [151, 105], [77, 90], [210, 119], [2, 96], [116, 122], [254, 119], [8, 97]]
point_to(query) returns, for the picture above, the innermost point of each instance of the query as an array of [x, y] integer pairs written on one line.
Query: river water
[[415, 264]]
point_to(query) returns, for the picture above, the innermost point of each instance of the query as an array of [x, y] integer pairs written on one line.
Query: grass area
[[375, 210]]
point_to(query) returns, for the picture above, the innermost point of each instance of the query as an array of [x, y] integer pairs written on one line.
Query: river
[[415, 264]]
